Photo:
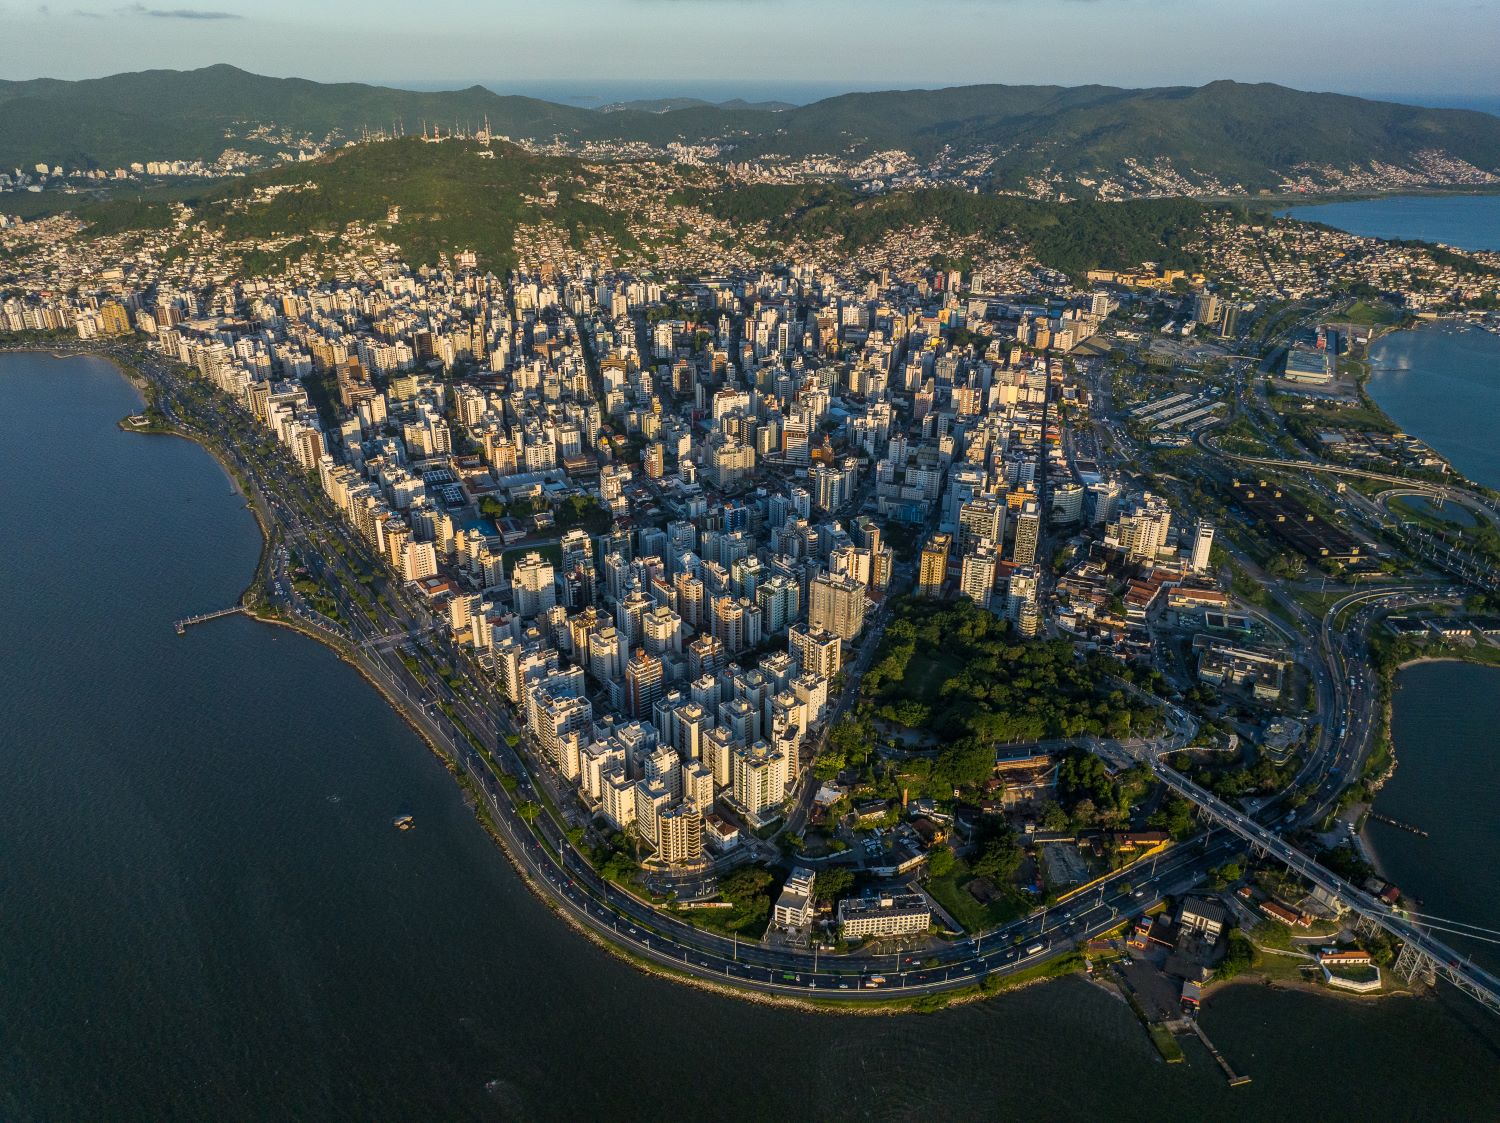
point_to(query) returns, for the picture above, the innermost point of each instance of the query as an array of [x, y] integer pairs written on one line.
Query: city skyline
[[837, 508], [1128, 43]]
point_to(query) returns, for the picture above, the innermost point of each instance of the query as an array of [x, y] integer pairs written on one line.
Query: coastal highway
[[305, 519]]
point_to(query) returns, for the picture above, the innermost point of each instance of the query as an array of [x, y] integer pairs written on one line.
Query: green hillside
[[183, 115], [1250, 135], [450, 199]]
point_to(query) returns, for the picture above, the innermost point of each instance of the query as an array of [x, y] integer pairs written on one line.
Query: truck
[[873, 981]]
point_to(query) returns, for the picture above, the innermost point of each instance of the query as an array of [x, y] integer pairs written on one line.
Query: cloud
[[179, 13]]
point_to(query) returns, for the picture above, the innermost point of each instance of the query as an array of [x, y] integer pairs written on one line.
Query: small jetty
[[204, 617], [404, 822], [1399, 825], [1234, 1078]]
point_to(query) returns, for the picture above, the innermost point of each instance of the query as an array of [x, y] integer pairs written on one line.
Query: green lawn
[[1166, 1044], [949, 892], [1370, 312]]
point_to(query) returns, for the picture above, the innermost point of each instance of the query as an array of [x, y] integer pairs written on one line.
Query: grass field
[[949, 892], [1371, 312]]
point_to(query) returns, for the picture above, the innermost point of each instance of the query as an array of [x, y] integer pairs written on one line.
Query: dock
[[1399, 825], [1234, 1078], [203, 618]]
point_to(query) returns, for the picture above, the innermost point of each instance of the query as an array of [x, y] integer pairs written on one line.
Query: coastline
[[871, 1008], [1256, 978], [1446, 322]]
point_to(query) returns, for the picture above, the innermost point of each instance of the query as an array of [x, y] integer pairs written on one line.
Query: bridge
[[1422, 954], [204, 617], [1400, 485]]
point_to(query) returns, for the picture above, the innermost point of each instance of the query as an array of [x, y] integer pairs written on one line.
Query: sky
[[1433, 48]]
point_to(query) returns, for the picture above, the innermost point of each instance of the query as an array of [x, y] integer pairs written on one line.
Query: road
[[477, 739]]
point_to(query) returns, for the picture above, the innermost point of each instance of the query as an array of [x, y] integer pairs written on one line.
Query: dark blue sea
[[206, 914]]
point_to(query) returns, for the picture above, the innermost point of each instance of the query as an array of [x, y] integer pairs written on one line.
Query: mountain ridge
[[1099, 141]]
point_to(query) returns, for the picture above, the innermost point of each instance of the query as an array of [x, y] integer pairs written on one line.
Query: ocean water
[[1442, 383], [1467, 222], [205, 912], [1447, 782]]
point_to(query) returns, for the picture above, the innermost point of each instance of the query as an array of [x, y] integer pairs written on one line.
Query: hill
[[1084, 141], [449, 197], [1071, 238], [196, 114], [458, 195]]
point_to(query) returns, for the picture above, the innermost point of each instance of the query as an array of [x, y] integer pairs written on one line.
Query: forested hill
[[445, 199], [462, 195], [1222, 138]]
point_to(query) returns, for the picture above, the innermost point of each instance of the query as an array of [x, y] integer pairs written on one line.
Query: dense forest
[[959, 671]]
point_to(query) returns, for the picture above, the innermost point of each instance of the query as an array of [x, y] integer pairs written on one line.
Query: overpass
[[1421, 954], [1400, 485]]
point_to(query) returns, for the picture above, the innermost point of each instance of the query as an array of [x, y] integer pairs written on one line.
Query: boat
[[404, 822]]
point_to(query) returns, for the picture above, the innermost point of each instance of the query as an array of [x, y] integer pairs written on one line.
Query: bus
[[875, 981]]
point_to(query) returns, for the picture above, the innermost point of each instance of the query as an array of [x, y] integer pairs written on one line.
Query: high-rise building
[[1203, 544], [1020, 592], [932, 569], [1067, 502], [679, 833], [1028, 533], [780, 603], [662, 630], [643, 684], [532, 585], [705, 655], [816, 651], [759, 778], [978, 578], [1142, 530], [981, 520], [651, 798], [1100, 500], [837, 605], [728, 623]]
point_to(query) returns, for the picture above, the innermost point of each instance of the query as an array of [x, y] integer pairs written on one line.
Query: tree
[[940, 861], [998, 855], [832, 883], [1054, 818], [1241, 956], [744, 884], [1175, 816]]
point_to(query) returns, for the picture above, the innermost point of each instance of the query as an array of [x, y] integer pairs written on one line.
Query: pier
[[1234, 1078], [1399, 825], [203, 618]]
